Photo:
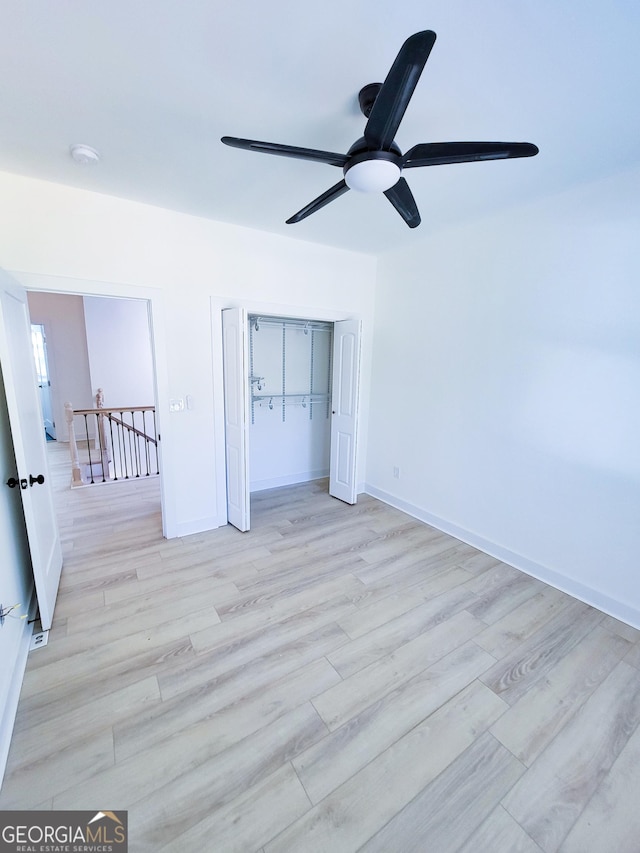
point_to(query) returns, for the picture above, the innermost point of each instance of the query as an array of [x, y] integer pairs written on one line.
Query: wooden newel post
[[102, 435], [76, 475]]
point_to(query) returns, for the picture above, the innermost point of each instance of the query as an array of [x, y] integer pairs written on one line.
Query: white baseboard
[[611, 606], [289, 480], [8, 713], [199, 525]]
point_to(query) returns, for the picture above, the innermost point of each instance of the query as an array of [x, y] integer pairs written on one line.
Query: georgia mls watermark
[[63, 832]]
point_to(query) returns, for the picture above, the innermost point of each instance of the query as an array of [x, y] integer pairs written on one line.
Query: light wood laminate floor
[[338, 679]]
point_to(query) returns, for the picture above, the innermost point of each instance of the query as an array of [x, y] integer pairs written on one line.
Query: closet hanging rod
[[312, 398], [306, 325]]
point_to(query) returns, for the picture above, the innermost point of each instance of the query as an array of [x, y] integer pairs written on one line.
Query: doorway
[[290, 400], [43, 378], [281, 375], [92, 342]]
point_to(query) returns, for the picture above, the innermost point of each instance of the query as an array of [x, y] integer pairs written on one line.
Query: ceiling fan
[[374, 162]]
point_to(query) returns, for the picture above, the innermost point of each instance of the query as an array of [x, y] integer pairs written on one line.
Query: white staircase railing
[[115, 443]]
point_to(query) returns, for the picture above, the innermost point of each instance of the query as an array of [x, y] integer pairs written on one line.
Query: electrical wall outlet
[[396, 473], [39, 639]]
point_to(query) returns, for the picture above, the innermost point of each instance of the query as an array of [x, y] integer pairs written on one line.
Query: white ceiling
[[154, 84]]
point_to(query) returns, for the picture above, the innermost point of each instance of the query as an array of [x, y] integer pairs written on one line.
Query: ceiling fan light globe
[[370, 176]]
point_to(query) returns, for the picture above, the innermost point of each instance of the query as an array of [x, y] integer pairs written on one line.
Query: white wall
[[64, 322], [69, 240], [119, 349], [506, 388]]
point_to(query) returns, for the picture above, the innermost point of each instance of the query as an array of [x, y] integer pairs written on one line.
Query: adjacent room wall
[[119, 349], [64, 322], [58, 238], [506, 388]]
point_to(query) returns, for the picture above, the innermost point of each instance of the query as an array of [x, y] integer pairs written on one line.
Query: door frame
[[155, 300], [295, 312]]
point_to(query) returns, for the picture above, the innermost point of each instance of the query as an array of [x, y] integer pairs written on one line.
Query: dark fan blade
[[437, 153], [319, 202], [286, 150], [395, 94], [402, 199]]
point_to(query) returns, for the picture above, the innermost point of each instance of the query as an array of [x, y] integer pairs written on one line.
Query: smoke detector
[[85, 155]]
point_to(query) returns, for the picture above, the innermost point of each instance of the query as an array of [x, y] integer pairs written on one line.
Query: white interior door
[[25, 417], [236, 414], [344, 410]]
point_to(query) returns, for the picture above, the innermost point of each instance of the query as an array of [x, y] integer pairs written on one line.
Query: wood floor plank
[[273, 612], [435, 583], [77, 764], [520, 623], [501, 600], [412, 564], [242, 649], [495, 576], [41, 742], [384, 640], [355, 693], [378, 613], [470, 786], [70, 659], [76, 601], [528, 663], [477, 562], [206, 716], [611, 818], [500, 832], [552, 794], [354, 812], [535, 719], [338, 756], [195, 784], [288, 584], [145, 612], [633, 656], [228, 776], [40, 705], [263, 658], [274, 803], [164, 584], [620, 628]]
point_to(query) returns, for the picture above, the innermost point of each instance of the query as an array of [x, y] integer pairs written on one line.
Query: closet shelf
[[291, 399], [297, 349], [317, 398]]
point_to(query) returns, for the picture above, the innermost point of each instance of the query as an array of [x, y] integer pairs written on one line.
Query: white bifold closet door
[[236, 414], [345, 387], [27, 432], [344, 408]]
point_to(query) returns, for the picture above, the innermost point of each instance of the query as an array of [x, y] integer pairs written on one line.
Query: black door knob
[[12, 482], [39, 479]]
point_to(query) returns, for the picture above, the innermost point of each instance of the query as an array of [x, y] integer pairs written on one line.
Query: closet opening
[[291, 404], [289, 400]]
